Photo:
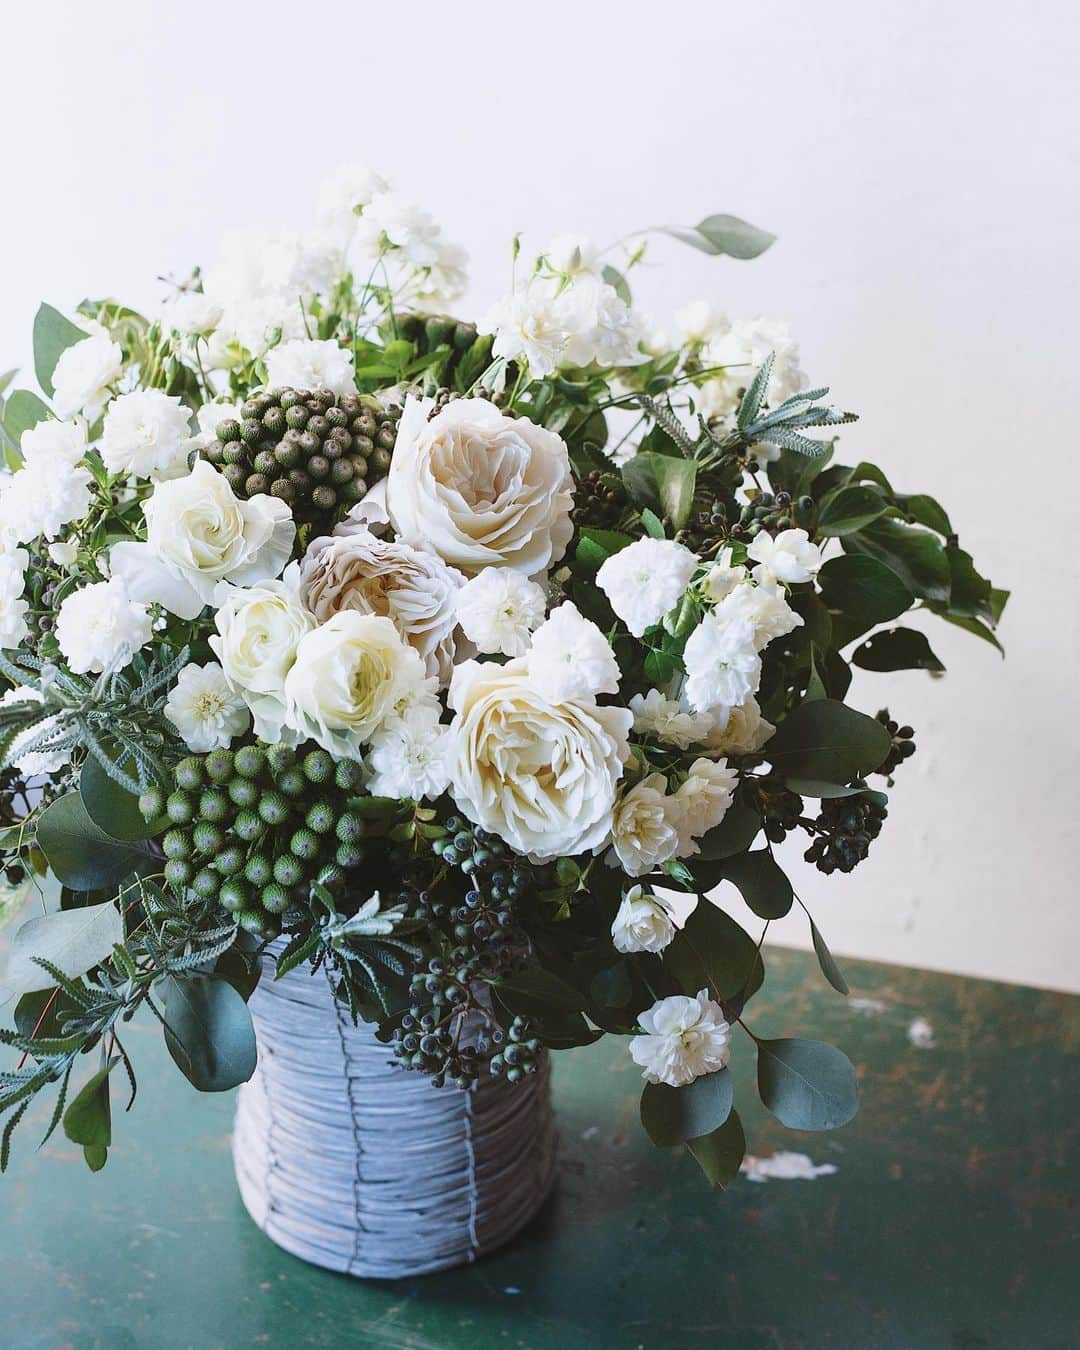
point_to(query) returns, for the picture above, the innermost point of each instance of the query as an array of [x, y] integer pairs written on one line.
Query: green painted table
[[950, 1221]]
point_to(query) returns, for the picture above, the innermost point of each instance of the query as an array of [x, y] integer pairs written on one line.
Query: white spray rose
[[57, 445], [347, 681], [258, 631], [100, 628], [539, 774], [409, 758], [478, 488], [39, 500], [191, 314], [685, 1037], [303, 364], [645, 580], [498, 610], [643, 923], [702, 801], [570, 658], [13, 605], [84, 373], [722, 663], [790, 558], [764, 607], [205, 709], [668, 720], [645, 827], [145, 434], [740, 730], [199, 533]]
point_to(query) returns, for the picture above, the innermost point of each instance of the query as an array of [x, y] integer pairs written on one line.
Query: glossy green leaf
[[849, 509], [533, 991], [896, 649], [53, 335], [735, 833], [22, 411], [829, 741], [969, 593], [81, 854], [720, 1153], [807, 1085], [761, 883], [866, 590], [926, 511], [208, 1031], [112, 808], [974, 626], [916, 556], [663, 483], [672, 1115], [712, 952]]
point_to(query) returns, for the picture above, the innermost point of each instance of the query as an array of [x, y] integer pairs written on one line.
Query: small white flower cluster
[[566, 315], [733, 350], [685, 1037]]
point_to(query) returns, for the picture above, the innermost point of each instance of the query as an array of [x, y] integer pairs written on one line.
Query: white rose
[[199, 533], [59, 445], [790, 558], [258, 630], [353, 569], [740, 730], [643, 923], [668, 720], [145, 434], [764, 607], [303, 364], [702, 800], [570, 658], [100, 628], [685, 1037], [499, 608], [540, 775], [478, 488], [348, 679], [205, 709], [645, 580], [645, 827], [723, 577], [84, 373], [722, 663]]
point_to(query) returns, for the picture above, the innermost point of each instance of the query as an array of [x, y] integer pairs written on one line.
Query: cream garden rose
[[478, 488], [541, 775], [198, 533], [350, 676]]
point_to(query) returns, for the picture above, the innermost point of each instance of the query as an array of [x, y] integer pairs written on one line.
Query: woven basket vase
[[353, 1164]]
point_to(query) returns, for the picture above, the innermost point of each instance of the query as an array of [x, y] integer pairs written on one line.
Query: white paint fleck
[[869, 1007], [591, 1132], [784, 1166], [511, 1289], [921, 1034]]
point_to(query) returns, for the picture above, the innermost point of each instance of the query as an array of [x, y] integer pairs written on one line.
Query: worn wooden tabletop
[[950, 1221]]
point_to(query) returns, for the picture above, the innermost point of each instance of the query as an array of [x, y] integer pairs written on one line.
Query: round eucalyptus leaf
[[807, 1085], [672, 1115]]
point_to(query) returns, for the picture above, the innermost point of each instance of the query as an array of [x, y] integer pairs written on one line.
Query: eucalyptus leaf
[[828, 741], [73, 940], [22, 411], [88, 1118], [618, 283], [208, 1031], [849, 509], [719, 1154], [53, 335], [81, 854], [112, 808], [761, 882], [735, 833], [672, 1115], [807, 1085], [712, 952], [723, 235], [827, 961]]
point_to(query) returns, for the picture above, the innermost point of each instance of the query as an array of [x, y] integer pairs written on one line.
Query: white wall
[[919, 164]]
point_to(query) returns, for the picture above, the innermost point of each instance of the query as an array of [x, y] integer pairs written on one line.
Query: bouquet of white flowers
[[460, 660]]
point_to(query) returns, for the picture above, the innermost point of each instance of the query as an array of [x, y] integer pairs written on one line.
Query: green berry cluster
[[846, 827], [254, 828], [428, 332], [430, 1036], [773, 513], [317, 451], [599, 500]]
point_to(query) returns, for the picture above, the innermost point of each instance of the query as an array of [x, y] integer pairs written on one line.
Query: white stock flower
[[13, 606], [645, 827], [199, 533], [304, 364], [40, 499], [722, 577], [191, 314], [741, 349], [722, 663], [444, 280], [703, 800], [790, 558], [550, 324], [685, 1037], [354, 569], [345, 193], [740, 730], [258, 631], [84, 373], [264, 282], [668, 720], [145, 433], [388, 221], [573, 255], [479, 488], [570, 658], [528, 325], [643, 923], [409, 758], [498, 610], [58, 445], [540, 775], [764, 607], [602, 327], [348, 677], [205, 709], [645, 580], [100, 627]]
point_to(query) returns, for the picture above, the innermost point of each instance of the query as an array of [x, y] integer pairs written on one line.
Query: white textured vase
[[349, 1162]]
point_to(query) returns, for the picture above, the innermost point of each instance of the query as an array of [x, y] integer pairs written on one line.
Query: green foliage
[[807, 1085], [712, 952], [209, 1032], [22, 411], [761, 882], [864, 589], [723, 235], [81, 854], [53, 335], [719, 1154], [829, 741], [663, 484], [673, 1115], [897, 649]]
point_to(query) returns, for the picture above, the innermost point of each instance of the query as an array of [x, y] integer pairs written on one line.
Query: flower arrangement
[[460, 660]]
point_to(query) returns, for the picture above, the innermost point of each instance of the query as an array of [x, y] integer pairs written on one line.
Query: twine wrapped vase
[[354, 1164]]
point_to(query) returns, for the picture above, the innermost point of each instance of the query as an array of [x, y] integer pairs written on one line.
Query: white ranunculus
[[409, 758], [199, 533], [740, 730], [722, 663], [39, 500], [540, 775], [304, 364], [570, 658], [354, 569], [58, 445], [100, 628], [790, 558], [145, 434], [345, 193], [258, 631], [348, 680], [646, 579], [84, 373], [764, 607], [478, 488], [498, 610], [643, 923], [390, 221], [685, 1037], [703, 800], [645, 827], [668, 720], [13, 604], [191, 314], [205, 709]]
